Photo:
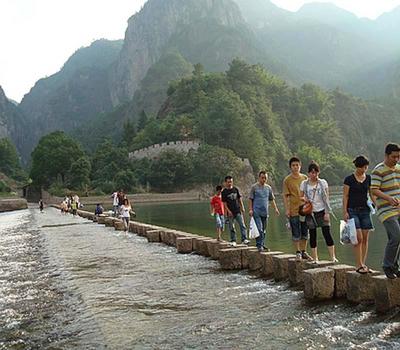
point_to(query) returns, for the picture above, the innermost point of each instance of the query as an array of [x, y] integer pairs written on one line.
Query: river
[[67, 283]]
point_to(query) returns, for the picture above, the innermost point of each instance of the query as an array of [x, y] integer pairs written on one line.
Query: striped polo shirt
[[388, 181]]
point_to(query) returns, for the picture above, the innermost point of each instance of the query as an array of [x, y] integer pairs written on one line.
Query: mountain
[[12, 121], [79, 91]]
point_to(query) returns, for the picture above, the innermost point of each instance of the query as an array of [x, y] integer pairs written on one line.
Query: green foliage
[[9, 160], [79, 173], [52, 159]]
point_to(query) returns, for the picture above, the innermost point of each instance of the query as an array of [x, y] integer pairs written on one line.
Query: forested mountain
[[69, 98], [113, 84]]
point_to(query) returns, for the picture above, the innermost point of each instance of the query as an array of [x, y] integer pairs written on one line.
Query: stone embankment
[[13, 204], [320, 281]]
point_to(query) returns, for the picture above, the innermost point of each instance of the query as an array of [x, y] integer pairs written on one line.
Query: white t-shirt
[[125, 211], [115, 198], [317, 202]]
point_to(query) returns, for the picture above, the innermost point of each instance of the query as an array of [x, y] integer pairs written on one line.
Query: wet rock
[[267, 263], [109, 221], [295, 271], [119, 225], [360, 287], [280, 265], [386, 292], [230, 258], [101, 219], [319, 264], [153, 236], [215, 248], [184, 245], [246, 254], [13, 204], [255, 260], [340, 279], [200, 245], [132, 226], [319, 284]]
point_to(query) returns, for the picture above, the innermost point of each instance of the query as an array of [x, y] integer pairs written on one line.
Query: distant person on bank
[[385, 185], [74, 207], [125, 211], [292, 201], [217, 210], [260, 195], [41, 205], [316, 191], [114, 197], [234, 209], [355, 206], [99, 209]]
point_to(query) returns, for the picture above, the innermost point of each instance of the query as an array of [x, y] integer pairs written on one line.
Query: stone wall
[[154, 151], [13, 204]]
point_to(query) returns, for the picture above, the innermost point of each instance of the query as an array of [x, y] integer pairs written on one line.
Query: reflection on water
[[194, 217], [85, 286]]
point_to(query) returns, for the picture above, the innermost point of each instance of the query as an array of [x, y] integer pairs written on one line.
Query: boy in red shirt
[[217, 210]]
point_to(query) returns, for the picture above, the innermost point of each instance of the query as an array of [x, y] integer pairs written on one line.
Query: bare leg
[[357, 249], [364, 247], [314, 254]]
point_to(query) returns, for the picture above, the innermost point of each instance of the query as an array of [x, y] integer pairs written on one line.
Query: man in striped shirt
[[385, 185]]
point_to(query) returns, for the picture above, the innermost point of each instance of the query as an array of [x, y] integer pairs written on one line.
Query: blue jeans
[[243, 230], [392, 251], [299, 228], [261, 222], [219, 221]]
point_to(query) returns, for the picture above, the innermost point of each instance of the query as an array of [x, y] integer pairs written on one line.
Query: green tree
[[9, 160], [52, 158], [129, 132], [143, 120], [79, 173]]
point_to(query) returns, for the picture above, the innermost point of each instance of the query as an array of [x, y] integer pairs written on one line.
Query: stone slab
[[386, 292], [230, 258], [280, 265], [214, 252], [341, 279], [119, 225], [101, 220], [246, 254], [360, 287], [109, 221], [153, 236], [13, 204], [295, 271], [267, 270], [319, 284], [184, 245], [255, 260]]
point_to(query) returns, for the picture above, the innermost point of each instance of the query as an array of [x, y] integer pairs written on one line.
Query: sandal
[[366, 268], [362, 270]]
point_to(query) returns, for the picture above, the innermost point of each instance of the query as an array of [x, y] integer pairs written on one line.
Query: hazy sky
[[38, 36]]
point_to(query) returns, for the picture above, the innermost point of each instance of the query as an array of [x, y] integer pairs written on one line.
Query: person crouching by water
[[217, 210], [385, 185], [125, 210], [260, 196], [234, 208], [355, 206], [315, 190], [99, 209]]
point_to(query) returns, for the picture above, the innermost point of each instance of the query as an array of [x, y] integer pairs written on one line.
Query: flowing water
[[67, 283]]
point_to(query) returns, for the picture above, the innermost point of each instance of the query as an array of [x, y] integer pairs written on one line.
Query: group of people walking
[[70, 204], [122, 207], [307, 208]]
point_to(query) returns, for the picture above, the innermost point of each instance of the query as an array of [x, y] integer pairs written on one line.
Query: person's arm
[[241, 205], [275, 207], [271, 198], [286, 199], [376, 181], [226, 209], [327, 210], [346, 189], [250, 207]]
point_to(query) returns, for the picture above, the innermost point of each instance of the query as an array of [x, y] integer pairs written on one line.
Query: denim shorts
[[362, 218], [219, 220], [299, 228]]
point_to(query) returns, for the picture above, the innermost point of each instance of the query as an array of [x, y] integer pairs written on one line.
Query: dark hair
[[262, 172], [228, 177], [391, 147], [313, 166], [360, 161], [126, 200], [218, 188], [293, 160]]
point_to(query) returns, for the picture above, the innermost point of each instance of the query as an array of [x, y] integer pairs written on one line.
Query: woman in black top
[[355, 206]]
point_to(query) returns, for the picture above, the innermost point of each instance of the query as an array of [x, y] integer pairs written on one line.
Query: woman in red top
[[217, 210]]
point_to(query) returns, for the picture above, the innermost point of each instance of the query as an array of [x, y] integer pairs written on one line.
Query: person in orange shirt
[[217, 210]]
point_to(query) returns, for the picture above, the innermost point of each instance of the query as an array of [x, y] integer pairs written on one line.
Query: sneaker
[[246, 241], [390, 274], [260, 249], [232, 244], [266, 249], [306, 256], [298, 255], [335, 260], [397, 273]]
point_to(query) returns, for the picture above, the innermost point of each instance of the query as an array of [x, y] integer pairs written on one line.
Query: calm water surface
[[67, 283]]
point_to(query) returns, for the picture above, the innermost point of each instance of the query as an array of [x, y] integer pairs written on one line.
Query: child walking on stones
[[217, 210]]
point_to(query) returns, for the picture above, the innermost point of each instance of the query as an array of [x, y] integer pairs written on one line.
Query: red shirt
[[216, 203]]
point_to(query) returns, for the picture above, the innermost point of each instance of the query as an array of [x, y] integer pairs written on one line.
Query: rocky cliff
[[151, 30]]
